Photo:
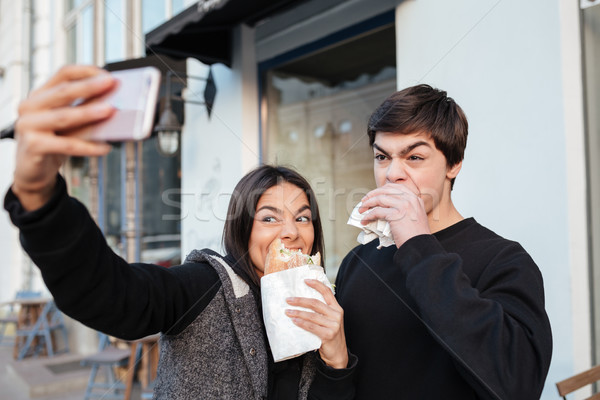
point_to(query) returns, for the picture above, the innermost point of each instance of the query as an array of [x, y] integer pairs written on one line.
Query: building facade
[[295, 84]]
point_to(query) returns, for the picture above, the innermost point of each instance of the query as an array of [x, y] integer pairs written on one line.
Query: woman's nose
[[289, 230], [396, 172]]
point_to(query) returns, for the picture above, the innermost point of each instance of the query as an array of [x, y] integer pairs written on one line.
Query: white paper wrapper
[[373, 230], [286, 339]]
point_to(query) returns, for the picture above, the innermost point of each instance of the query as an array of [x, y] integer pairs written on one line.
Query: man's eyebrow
[[385, 153], [413, 146], [404, 151]]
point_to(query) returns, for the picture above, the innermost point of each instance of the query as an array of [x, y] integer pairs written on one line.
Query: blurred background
[[293, 82]]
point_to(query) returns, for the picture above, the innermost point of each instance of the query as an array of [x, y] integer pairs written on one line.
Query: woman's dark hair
[[242, 206], [423, 109]]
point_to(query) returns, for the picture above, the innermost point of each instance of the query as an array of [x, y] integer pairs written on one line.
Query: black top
[[93, 285], [454, 315]]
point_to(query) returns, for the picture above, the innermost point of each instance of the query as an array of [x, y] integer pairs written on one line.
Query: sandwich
[[280, 258]]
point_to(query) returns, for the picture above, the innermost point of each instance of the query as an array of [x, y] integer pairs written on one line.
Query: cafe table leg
[[130, 371], [149, 362]]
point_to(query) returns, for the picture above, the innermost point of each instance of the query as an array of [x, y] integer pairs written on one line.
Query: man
[[452, 311]]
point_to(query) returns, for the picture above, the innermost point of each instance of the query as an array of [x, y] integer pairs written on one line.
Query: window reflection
[[317, 110]]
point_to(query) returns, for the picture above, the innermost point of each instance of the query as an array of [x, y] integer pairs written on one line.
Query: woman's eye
[[269, 219], [304, 218]]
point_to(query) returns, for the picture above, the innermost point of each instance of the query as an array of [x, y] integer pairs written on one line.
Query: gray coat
[[222, 354]]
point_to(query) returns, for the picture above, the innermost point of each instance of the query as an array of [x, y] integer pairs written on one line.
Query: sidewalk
[[41, 378]]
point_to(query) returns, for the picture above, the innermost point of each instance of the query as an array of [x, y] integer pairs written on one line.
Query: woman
[[208, 309]]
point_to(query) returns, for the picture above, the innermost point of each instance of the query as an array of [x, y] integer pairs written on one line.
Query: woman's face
[[282, 212]]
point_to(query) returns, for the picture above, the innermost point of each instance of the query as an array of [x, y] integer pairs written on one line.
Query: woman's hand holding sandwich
[[327, 322]]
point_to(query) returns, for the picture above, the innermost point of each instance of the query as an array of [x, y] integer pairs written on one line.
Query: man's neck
[[443, 216]]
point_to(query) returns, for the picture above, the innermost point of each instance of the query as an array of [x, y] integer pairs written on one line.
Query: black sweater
[[454, 315], [96, 287]]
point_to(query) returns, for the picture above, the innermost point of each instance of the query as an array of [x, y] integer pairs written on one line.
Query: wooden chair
[[106, 359], [6, 321], [578, 381], [49, 321], [145, 355], [10, 318]]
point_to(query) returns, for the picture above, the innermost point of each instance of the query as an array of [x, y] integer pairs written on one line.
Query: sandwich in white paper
[[285, 272], [373, 230]]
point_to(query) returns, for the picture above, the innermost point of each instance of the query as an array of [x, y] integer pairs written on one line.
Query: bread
[[279, 258]]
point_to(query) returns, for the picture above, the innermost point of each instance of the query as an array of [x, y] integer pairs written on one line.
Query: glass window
[[114, 30], [72, 45], [80, 34], [160, 200], [79, 27], [317, 110], [86, 45], [78, 178], [177, 6], [71, 4], [154, 12], [113, 199]]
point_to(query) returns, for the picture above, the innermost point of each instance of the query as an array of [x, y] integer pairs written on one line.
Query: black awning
[[164, 64], [204, 30]]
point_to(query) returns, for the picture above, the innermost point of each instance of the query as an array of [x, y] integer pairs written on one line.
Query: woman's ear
[[454, 170]]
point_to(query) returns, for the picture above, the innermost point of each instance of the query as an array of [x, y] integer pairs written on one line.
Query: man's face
[[413, 160]]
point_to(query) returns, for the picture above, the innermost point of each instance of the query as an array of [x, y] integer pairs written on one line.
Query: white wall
[[501, 61], [27, 56], [9, 272], [217, 151], [12, 42]]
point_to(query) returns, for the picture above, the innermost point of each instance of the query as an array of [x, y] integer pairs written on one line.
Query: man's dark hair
[[242, 207], [423, 109]]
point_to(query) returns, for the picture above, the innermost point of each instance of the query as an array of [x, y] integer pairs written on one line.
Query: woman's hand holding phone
[[41, 150], [134, 97]]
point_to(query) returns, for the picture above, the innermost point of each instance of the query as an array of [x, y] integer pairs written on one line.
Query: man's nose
[[396, 172]]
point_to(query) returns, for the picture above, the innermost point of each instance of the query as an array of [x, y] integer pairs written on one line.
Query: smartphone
[[135, 100]]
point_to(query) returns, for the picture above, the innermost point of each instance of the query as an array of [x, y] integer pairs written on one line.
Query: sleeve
[[497, 332], [332, 383], [93, 285]]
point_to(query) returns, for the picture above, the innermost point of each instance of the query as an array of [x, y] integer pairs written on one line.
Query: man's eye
[[415, 158], [380, 157]]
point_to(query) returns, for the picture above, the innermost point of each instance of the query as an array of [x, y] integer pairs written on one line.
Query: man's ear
[[454, 170]]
